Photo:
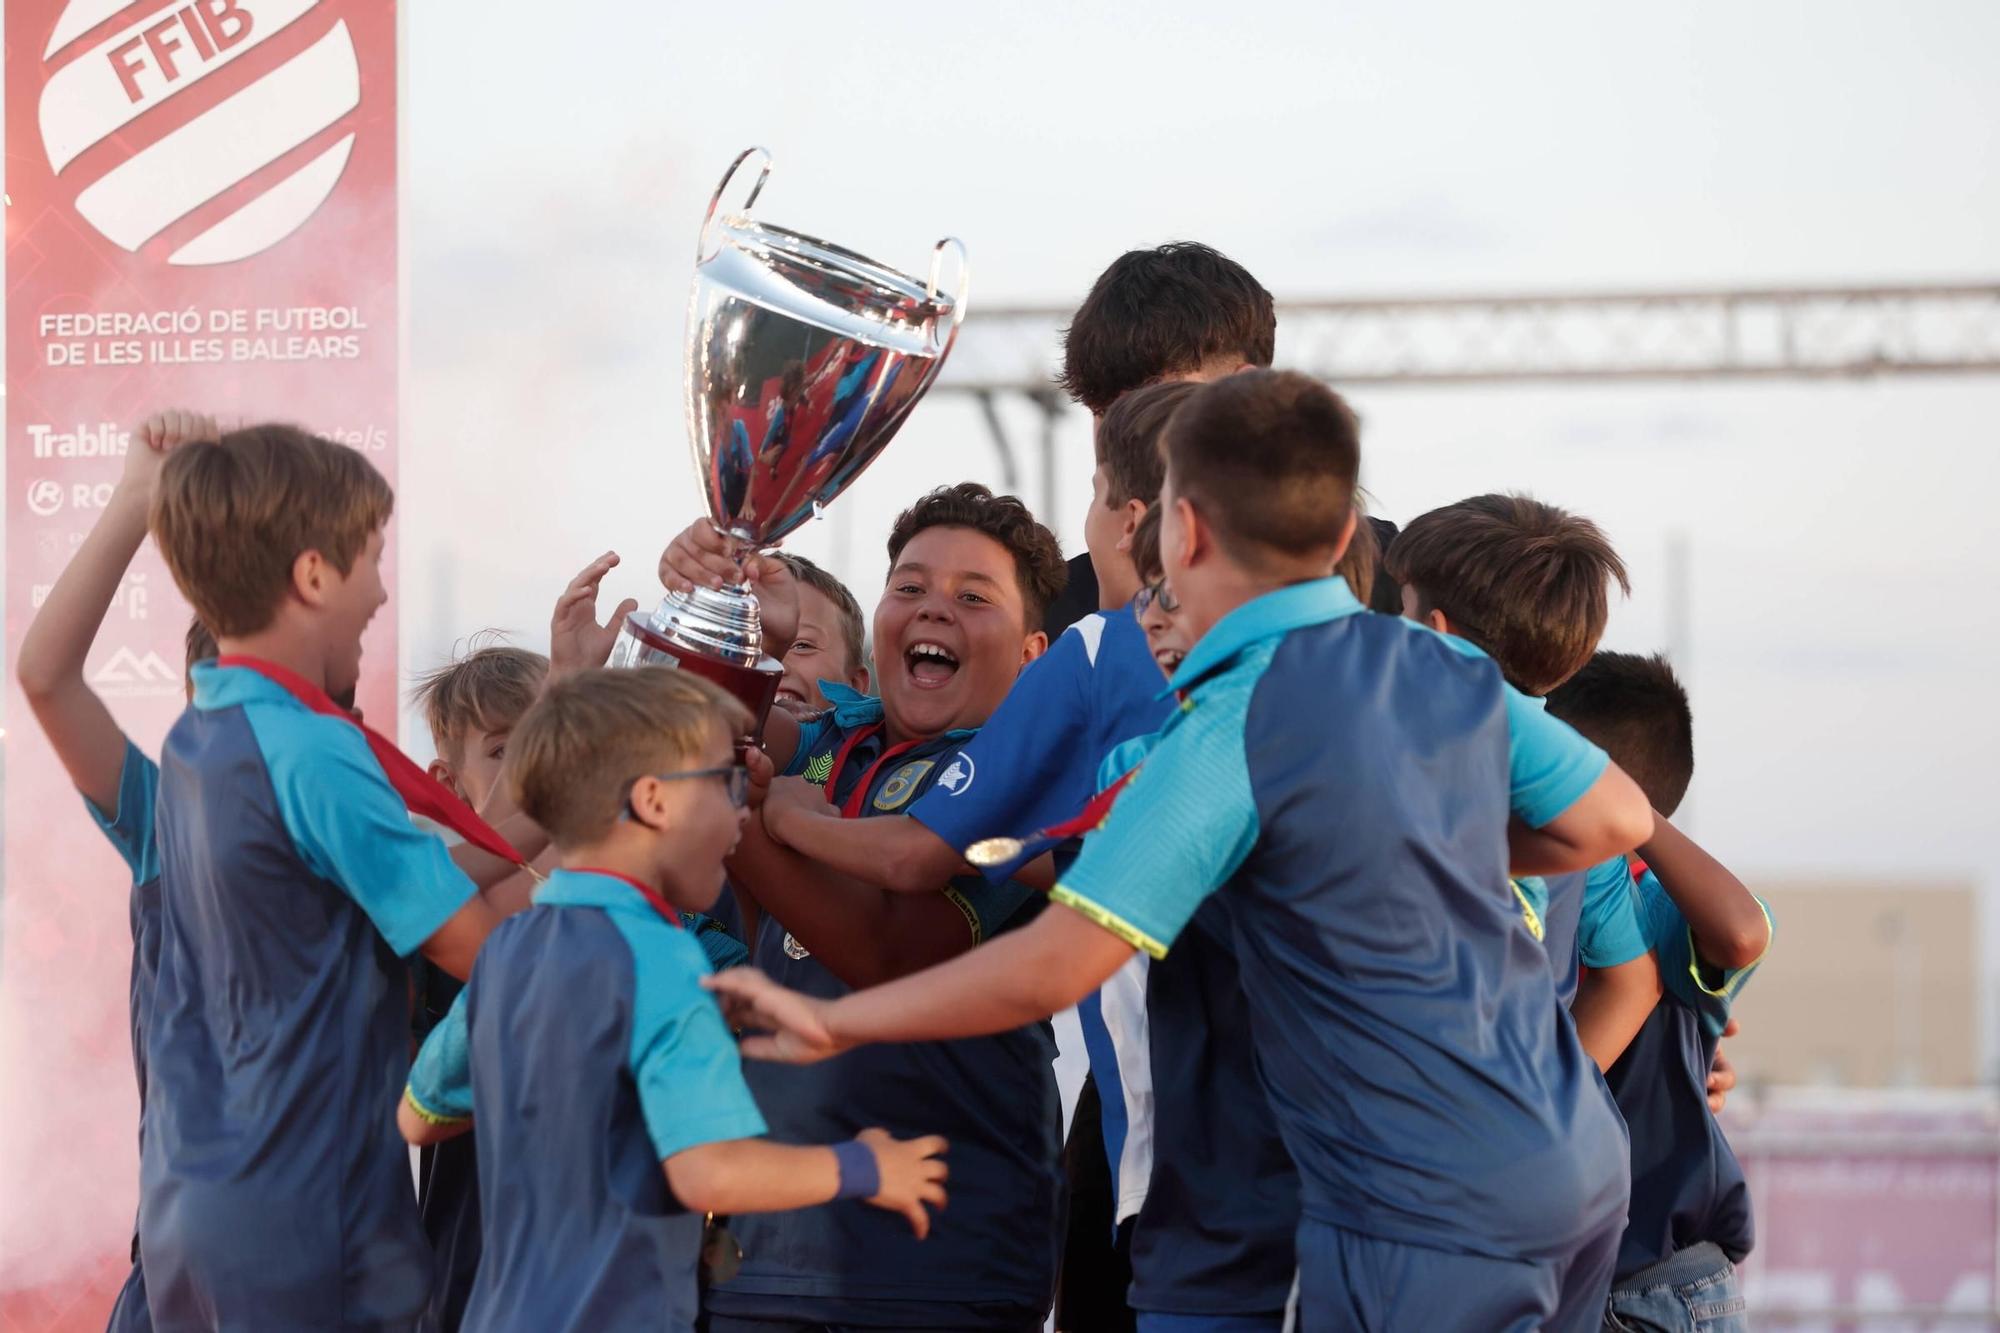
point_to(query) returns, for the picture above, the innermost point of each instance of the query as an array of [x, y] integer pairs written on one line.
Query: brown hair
[[1160, 312], [1358, 562], [1269, 458], [1634, 708], [232, 515], [1128, 441], [1526, 581], [852, 627], [1038, 559], [487, 689], [200, 643], [576, 753], [1146, 560]]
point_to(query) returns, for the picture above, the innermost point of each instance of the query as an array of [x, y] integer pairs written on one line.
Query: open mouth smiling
[[930, 665]]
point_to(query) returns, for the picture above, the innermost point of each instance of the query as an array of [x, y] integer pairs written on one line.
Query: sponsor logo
[[127, 674], [97, 89], [102, 440], [45, 497], [959, 775]]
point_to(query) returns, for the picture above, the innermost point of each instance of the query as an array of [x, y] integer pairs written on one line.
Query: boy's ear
[[1034, 646], [859, 679], [440, 770], [1134, 511], [1195, 537], [310, 577]]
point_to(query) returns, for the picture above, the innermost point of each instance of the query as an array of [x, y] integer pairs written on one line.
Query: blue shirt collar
[[1275, 613], [231, 686], [583, 888], [851, 708]]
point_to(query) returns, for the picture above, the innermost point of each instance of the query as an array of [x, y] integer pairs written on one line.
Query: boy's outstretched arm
[[1731, 930], [1022, 977], [1612, 1004], [86, 738], [865, 935], [759, 1176], [891, 851], [1609, 819]]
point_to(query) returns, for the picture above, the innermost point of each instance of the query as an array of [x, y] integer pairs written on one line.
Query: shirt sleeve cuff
[[1109, 920], [430, 1115]]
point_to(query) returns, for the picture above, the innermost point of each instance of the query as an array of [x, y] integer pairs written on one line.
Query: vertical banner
[[201, 213]]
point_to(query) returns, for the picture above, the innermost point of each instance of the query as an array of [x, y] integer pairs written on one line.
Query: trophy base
[[756, 687]]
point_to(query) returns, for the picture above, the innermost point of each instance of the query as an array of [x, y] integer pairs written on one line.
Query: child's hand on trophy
[[702, 556]]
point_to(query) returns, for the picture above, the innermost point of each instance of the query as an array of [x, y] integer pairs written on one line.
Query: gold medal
[[993, 851]]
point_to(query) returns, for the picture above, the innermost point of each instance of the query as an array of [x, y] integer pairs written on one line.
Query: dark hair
[[853, 635], [1161, 312], [1128, 441], [1362, 557], [1146, 546], [231, 516], [1637, 711], [1269, 458], [1038, 558], [1524, 580]]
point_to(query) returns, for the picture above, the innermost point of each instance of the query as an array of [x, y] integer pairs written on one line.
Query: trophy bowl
[[803, 359]]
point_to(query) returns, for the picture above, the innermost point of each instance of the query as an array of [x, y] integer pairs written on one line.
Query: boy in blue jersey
[[611, 1107], [970, 575], [1343, 780], [292, 886], [1529, 584], [117, 780], [1690, 1218]]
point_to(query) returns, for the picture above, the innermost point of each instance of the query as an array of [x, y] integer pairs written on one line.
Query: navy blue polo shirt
[[1686, 1184], [1427, 1086], [128, 827], [1034, 763], [990, 1261], [274, 1188], [578, 1103]]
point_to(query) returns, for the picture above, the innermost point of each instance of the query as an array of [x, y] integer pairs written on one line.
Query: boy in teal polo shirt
[[1344, 780]]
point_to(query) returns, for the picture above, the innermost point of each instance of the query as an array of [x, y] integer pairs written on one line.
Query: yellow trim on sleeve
[[1529, 916], [1110, 921], [1732, 980], [964, 904], [427, 1115]]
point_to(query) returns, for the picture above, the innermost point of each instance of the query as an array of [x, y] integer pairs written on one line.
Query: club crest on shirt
[[793, 949], [959, 775], [902, 784]]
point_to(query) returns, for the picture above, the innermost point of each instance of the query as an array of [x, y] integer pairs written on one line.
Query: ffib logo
[[167, 52]]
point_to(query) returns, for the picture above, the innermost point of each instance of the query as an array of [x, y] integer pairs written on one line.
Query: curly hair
[[1038, 558]]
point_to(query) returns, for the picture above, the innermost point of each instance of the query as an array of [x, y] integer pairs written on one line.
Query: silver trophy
[[803, 359]]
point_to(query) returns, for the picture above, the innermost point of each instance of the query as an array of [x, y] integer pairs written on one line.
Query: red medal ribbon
[[422, 794], [648, 892], [1094, 813], [855, 798]]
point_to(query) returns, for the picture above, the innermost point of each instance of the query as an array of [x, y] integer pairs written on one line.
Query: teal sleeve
[[129, 828], [352, 829], [1550, 766], [721, 948], [1709, 991], [440, 1088], [682, 1058], [1178, 830], [1609, 931]]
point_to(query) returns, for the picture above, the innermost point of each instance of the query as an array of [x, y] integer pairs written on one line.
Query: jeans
[[1690, 1291]]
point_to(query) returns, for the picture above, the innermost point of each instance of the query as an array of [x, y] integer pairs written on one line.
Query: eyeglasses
[[735, 780], [1156, 591]]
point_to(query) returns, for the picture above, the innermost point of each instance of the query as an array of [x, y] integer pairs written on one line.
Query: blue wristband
[[860, 1176]]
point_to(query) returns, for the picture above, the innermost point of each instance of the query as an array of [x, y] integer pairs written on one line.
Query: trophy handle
[[958, 297], [703, 252]]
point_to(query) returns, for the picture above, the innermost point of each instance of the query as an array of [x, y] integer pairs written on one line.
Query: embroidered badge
[[793, 949], [902, 784]]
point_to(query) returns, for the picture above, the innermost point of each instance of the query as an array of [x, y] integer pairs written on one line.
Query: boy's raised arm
[[1609, 819], [86, 738], [1731, 929]]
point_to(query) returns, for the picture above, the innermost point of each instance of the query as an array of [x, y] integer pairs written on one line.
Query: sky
[[1839, 536]]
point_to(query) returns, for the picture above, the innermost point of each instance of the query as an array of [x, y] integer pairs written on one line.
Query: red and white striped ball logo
[[214, 124]]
